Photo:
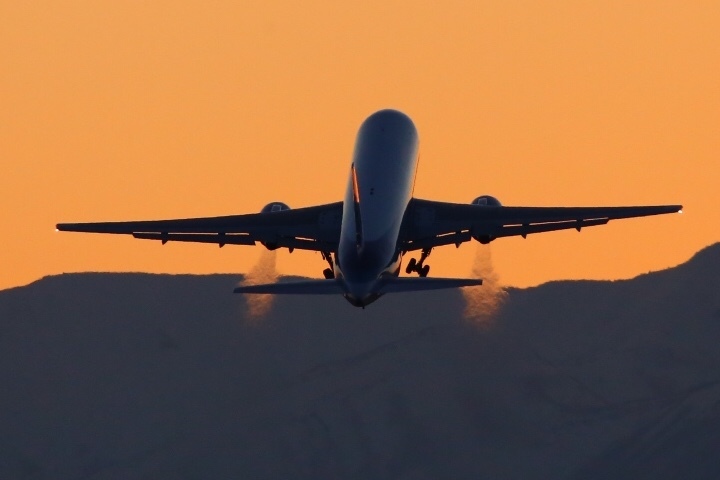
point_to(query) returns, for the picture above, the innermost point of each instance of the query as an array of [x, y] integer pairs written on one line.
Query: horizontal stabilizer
[[334, 286], [415, 284], [305, 287]]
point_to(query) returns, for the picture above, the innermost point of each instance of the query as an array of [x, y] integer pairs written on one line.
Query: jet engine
[[485, 201], [273, 207]]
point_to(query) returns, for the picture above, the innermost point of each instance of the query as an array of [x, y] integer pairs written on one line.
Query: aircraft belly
[[373, 259]]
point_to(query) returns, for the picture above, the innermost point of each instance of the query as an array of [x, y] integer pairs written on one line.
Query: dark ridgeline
[[158, 376]]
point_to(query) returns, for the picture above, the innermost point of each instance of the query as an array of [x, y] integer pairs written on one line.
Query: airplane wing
[[310, 228], [429, 224]]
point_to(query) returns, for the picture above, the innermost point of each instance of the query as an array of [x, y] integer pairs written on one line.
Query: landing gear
[[328, 273], [417, 266], [410, 266]]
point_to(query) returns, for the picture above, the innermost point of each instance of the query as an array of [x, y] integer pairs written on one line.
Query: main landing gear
[[328, 273], [417, 266]]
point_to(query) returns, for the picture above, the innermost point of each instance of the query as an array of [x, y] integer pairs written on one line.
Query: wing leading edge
[[429, 224], [311, 228]]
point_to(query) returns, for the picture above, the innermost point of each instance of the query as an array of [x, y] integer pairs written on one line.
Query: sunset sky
[[131, 110]]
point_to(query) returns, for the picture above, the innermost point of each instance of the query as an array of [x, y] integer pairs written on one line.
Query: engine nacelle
[[486, 201], [272, 208]]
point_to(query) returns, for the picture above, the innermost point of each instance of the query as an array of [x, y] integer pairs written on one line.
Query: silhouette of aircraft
[[364, 237]]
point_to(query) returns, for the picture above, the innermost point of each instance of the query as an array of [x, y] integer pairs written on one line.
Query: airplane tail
[[334, 286]]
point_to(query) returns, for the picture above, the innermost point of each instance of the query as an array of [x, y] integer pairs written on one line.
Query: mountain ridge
[[708, 253], [165, 376]]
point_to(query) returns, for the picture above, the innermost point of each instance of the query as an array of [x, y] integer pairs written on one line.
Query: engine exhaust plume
[[482, 303], [264, 271]]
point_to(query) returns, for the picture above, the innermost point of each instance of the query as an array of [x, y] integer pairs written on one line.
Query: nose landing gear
[[417, 266]]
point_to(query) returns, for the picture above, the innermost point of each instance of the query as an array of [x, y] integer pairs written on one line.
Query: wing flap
[[220, 239], [524, 230]]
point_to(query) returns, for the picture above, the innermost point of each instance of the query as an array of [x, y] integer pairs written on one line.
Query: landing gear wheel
[[411, 266], [424, 271], [328, 274]]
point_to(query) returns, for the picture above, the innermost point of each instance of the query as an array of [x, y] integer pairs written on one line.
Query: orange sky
[[144, 110]]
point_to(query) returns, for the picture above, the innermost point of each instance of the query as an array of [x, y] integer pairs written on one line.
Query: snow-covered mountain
[[136, 376]]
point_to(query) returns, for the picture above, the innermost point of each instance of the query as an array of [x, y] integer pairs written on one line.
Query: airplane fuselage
[[379, 189]]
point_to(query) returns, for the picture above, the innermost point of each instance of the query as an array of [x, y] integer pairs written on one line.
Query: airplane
[[364, 237]]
